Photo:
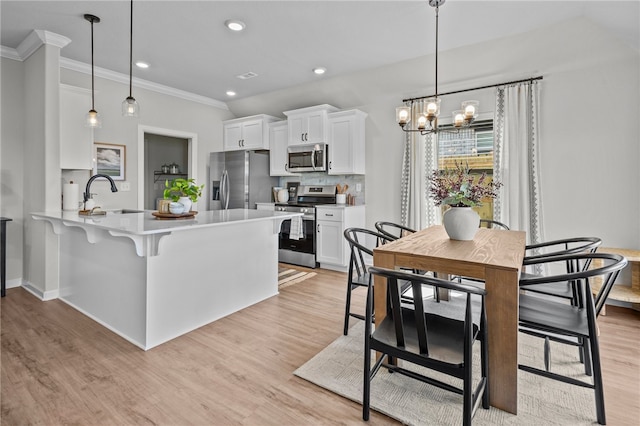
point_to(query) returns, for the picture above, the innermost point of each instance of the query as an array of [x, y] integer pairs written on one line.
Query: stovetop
[[311, 196]]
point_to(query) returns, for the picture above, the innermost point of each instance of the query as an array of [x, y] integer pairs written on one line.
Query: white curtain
[[417, 211], [516, 159]]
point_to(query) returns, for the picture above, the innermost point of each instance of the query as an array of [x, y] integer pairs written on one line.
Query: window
[[472, 146]]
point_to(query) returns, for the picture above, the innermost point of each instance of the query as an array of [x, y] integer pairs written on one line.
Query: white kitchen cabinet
[[346, 142], [309, 125], [247, 133], [278, 142], [76, 140], [332, 249]]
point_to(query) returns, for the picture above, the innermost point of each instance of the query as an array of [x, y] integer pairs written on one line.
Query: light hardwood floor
[[60, 367]]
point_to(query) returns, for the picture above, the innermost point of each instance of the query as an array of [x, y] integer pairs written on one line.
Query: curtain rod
[[475, 88]]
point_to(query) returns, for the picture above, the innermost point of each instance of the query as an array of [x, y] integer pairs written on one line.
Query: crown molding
[[37, 38], [73, 65], [9, 53]]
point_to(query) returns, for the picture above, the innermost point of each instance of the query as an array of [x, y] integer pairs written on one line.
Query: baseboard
[[16, 282], [42, 295]]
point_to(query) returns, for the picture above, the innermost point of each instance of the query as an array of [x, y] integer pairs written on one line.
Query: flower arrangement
[[182, 188], [459, 188]]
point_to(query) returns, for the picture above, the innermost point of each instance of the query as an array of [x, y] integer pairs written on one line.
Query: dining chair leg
[[547, 353], [366, 388], [588, 362], [347, 310], [597, 380]]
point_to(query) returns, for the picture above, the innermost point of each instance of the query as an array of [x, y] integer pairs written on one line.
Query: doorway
[[158, 147]]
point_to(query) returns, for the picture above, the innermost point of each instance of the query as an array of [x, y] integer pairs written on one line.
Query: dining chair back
[[413, 332], [493, 224], [393, 230], [551, 249], [556, 320], [361, 243]]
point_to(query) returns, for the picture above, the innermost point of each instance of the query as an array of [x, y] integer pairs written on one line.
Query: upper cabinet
[[309, 125], [247, 133], [76, 140], [346, 142], [278, 142]]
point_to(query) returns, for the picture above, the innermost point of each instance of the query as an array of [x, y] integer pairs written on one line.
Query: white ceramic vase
[[461, 223], [186, 202]]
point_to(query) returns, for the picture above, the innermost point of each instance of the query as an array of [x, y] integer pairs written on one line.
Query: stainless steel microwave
[[307, 158]]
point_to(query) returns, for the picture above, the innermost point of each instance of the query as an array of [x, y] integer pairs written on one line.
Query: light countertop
[[144, 223]]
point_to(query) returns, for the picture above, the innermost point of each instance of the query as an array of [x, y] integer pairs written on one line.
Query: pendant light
[[427, 120], [130, 107], [93, 119]]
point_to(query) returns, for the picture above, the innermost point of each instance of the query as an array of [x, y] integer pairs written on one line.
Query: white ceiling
[[189, 48]]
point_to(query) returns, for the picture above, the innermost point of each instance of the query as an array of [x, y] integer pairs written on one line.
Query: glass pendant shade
[[470, 109], [93, 119], [130, 107], [403, 115], [431, 108], [458, 118]]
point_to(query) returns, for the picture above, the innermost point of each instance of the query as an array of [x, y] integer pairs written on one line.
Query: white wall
[[156, 110], [11, 163], [589, 126]]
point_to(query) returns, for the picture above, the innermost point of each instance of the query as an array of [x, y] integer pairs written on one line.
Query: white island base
[[194, 276]]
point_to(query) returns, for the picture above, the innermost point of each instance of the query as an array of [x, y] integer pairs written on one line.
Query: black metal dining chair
[[492, 224], [559, 321], [393, 230], [415, 333], [551, 249], [361, 242]]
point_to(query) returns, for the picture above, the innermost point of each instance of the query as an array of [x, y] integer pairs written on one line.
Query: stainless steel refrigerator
[[239, 179]]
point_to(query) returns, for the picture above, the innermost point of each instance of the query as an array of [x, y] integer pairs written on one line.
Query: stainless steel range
[[297, 240]]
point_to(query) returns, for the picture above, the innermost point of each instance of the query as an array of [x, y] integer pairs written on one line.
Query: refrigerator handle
[[225, 191]]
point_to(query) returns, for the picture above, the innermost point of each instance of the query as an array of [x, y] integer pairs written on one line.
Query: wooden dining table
[[494, 256]]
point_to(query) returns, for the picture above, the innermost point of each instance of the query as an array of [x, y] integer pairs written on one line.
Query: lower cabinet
[[332, 249]]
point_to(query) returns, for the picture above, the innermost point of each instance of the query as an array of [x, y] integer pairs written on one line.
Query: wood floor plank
[[61, 367]]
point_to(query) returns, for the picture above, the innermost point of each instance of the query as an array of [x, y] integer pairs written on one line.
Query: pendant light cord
[[131, 53], [92, 72], [437, 9]]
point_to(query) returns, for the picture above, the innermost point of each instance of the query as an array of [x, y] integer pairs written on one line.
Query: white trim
[[16, 282], [192, 140], [44, 296], [77, 66], [37, 38], [9, 53]]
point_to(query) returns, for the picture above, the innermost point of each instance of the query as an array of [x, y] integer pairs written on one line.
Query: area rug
[[289, 277], [338, 368]]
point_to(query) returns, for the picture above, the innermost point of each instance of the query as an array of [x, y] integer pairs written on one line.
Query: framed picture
[[110, 160]]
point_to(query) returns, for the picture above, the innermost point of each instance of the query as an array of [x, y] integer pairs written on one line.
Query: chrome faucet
[[87, 194]]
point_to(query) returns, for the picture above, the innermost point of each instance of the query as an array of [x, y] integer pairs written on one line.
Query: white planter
[[186, 202], [461, 223]]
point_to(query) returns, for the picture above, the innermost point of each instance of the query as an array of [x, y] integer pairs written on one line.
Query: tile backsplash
[[321, 178]]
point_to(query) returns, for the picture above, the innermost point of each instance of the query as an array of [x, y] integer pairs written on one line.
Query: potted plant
[[184, 191], [461, 190]]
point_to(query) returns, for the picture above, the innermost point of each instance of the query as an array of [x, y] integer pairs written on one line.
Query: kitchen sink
[[124, 211]]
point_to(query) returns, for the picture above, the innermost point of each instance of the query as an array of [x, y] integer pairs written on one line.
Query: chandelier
[[427, 120]]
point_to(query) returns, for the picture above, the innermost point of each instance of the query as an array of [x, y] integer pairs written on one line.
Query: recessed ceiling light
[[140, 64], [231, 93], [319, 70], [234, 25]]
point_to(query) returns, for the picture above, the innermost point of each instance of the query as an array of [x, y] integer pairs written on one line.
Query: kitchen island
[[151, 280]]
